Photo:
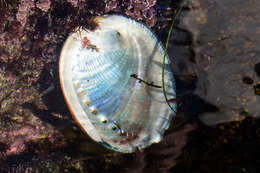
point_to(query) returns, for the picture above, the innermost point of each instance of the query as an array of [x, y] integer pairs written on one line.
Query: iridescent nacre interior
[[112, 81]]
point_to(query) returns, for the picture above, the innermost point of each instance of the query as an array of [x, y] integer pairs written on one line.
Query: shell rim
[[101, 142]]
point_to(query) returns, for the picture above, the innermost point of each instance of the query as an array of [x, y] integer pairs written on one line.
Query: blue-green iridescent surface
[[100, 74]]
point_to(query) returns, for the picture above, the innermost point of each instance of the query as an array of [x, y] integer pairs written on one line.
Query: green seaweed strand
[[165, 53]]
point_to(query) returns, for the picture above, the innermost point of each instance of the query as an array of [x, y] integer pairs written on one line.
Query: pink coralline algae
[[17, 139], [137, 9], [25, 8], [10, 43], [75, 3], [44, 5], [144, 10]]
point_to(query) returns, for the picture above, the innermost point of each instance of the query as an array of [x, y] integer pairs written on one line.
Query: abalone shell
[[111, 78]]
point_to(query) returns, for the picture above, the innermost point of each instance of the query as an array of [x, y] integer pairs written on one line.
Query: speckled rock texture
[[217, 70], [226, 51]]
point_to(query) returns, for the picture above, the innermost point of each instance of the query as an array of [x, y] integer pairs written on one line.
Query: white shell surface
[[98, 75]]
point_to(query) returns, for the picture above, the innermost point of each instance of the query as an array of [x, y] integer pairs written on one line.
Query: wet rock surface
[[223, 58], [226, 53]]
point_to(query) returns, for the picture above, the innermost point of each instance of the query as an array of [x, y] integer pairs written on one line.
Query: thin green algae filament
[[165, 53]]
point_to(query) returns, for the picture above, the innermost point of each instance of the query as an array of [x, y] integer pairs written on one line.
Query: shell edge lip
[[65, 95], [105, 144]]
